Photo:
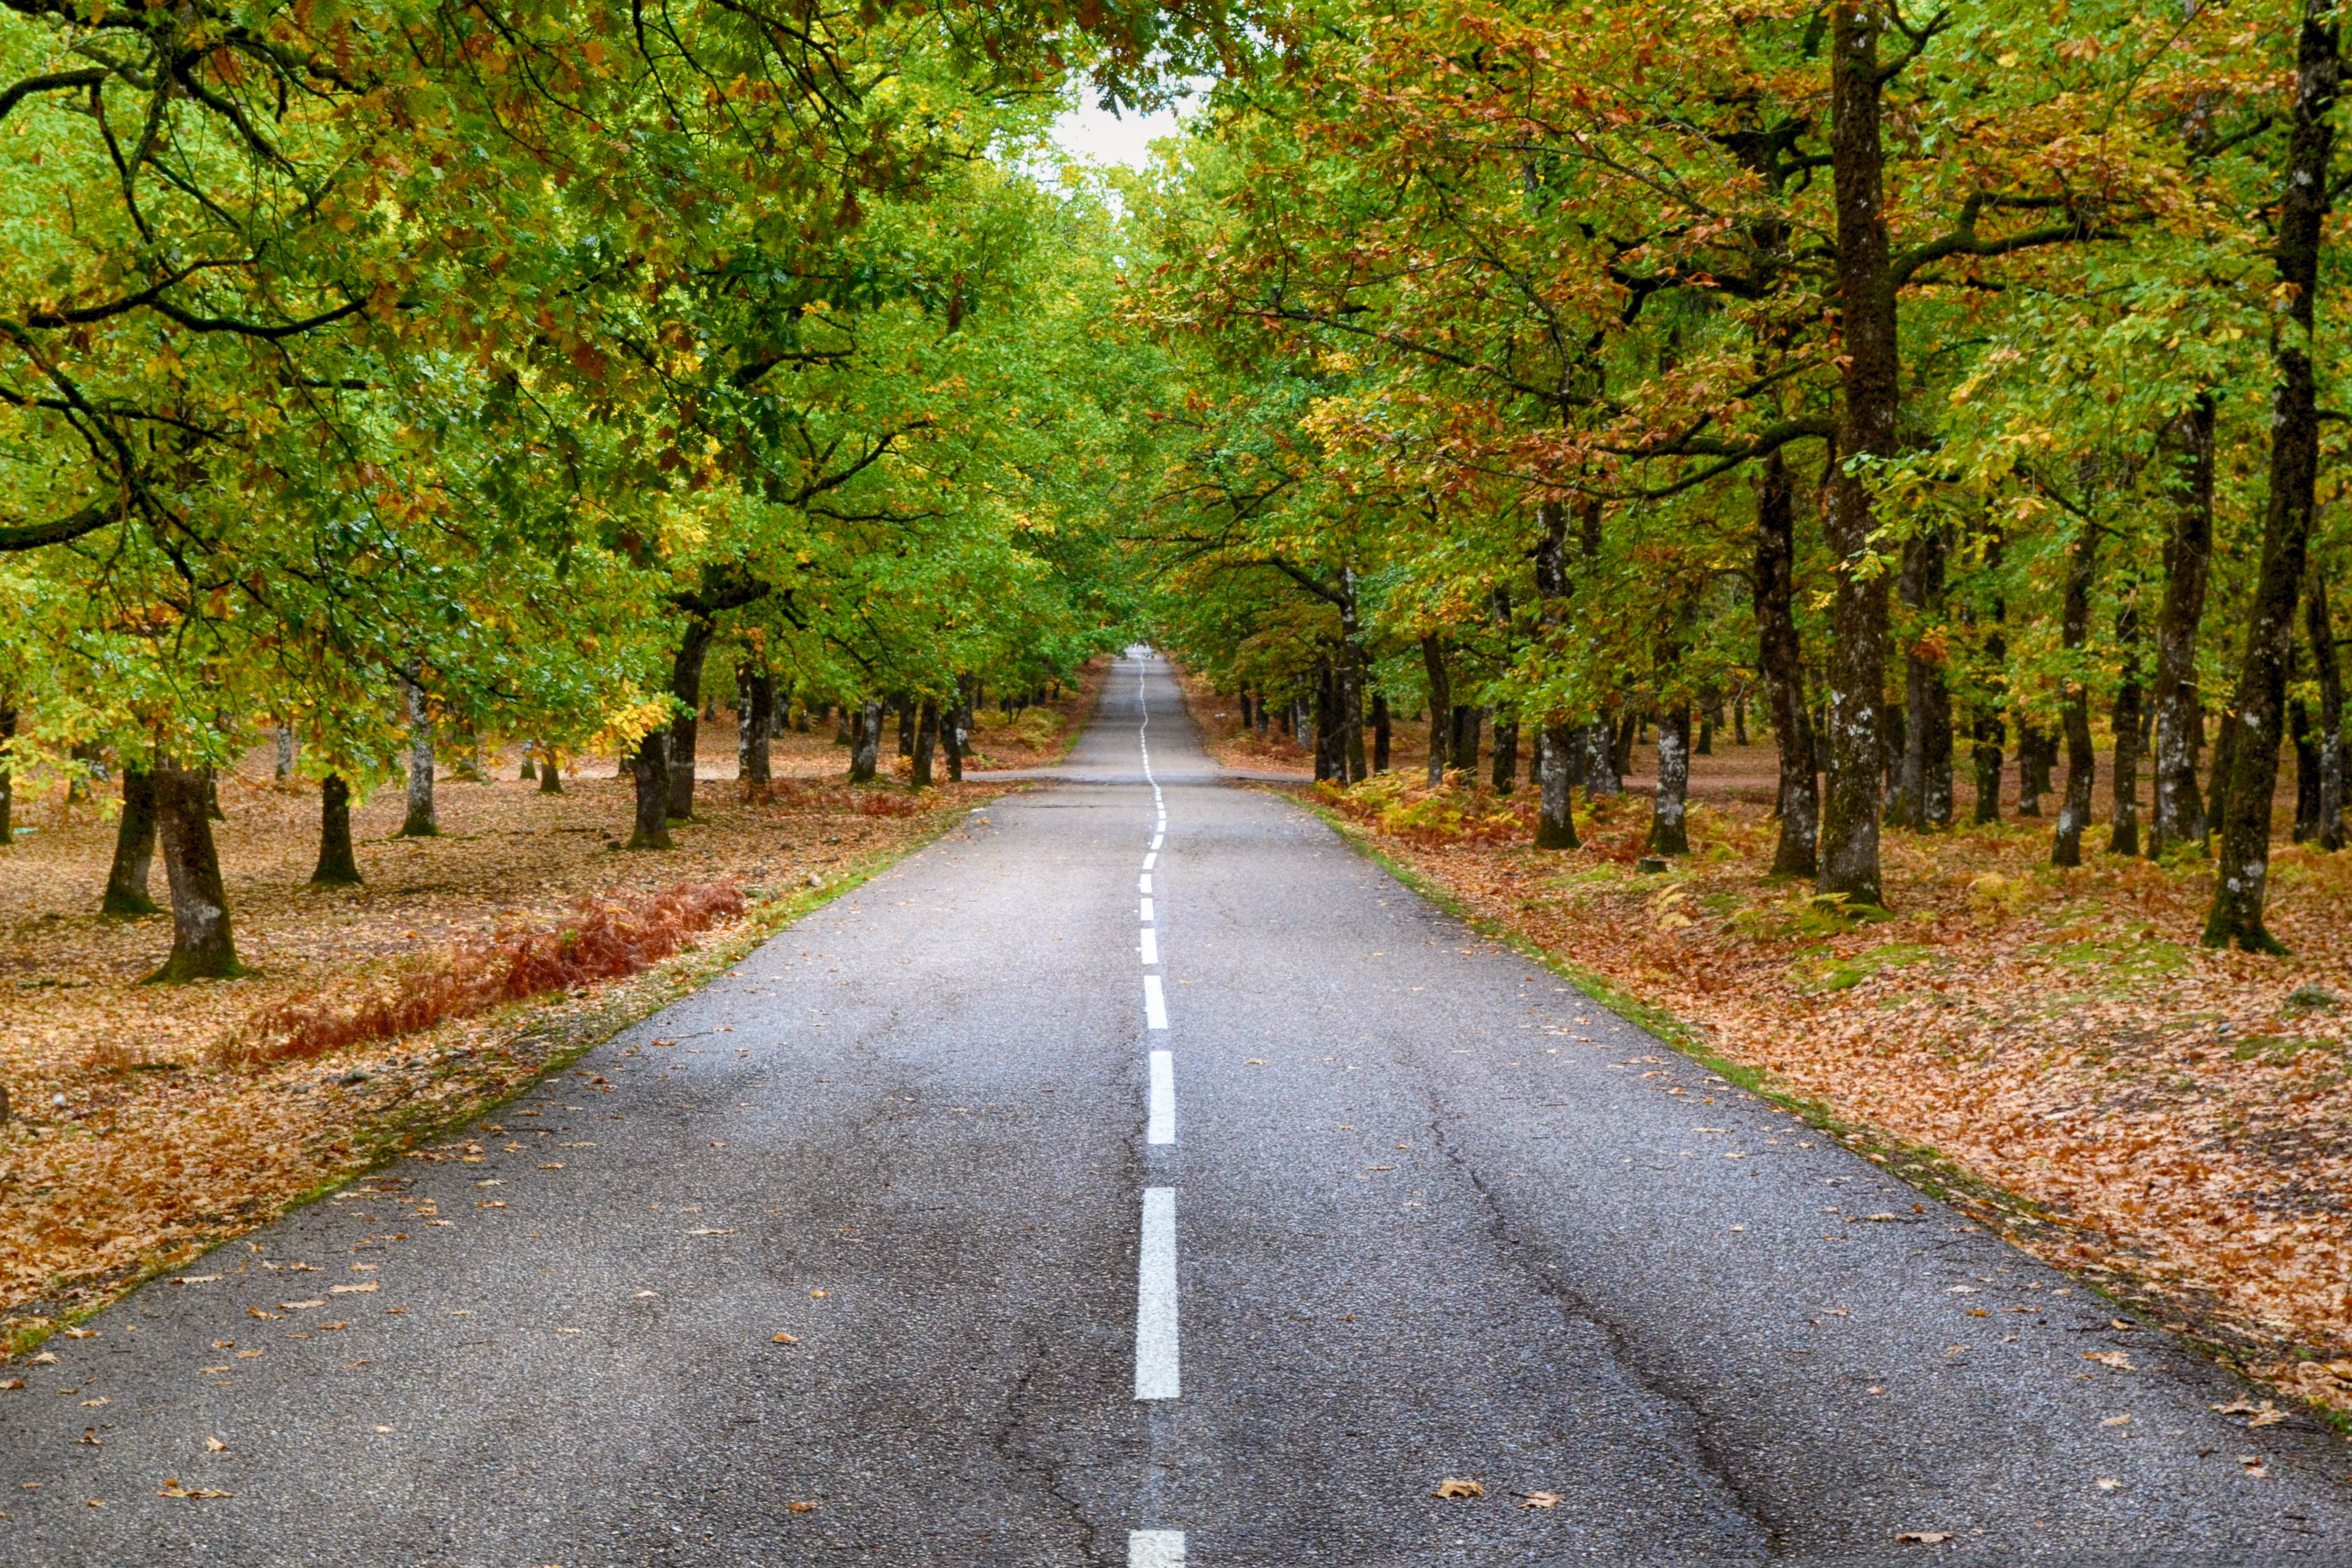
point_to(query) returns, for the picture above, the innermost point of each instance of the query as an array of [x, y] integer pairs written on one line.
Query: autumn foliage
[[603, 940]]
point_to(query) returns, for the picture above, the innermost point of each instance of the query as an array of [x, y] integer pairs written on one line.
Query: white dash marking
[[1155, 1549], [1143, 883], [1156, 838], [1150, 945], [1150, 860], [1160, 1128], [1147, 911], [1155, 1005], [1155, 1299]]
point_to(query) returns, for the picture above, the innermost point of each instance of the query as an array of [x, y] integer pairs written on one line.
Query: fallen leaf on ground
[[297, 1306], [784, 1339], [172, 1488], [1540, 1499], [215, 1445], [2109, 1483], [1458, 1486], [1925, 1537], [354, 1289], [2116, 1358], [800, 1508]]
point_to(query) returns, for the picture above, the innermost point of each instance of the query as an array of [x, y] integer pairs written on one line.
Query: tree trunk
[[202, 945], [1461, 744], [1505, 772], [1871, 401], [1668, 833], [550, 770], [2330, 671], [1924, 797], [905, 705], [421, 821], [1555, 807], [7, 774], [530, 771], [755, 702], [1330, 755], [2187, 444], [1604, 769], [650, 767], [1739, 718], [2032, 774], [2123, 838], [1779, 659], [337, 866], [927, 741], [1380, 732], [685, 734], [134, 848], [284, 768], [2244, 863], [1988, 732], [865, 742], [2305, 741], [2074, 810], [1441, 706]]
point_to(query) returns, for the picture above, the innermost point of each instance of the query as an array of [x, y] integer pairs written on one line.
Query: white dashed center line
[[1161, 1127], [1155, 1549], [1155, 1004], [1143, 883], [1155, 1299], [1150, 945]]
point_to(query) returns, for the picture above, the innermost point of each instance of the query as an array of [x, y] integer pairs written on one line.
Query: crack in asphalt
[[1517, 1253], [1002, 1437]]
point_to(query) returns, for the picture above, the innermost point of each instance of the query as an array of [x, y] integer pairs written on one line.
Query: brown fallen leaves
[[2173, 1118], [172, 1488], [1459, 1487], [159, 1146]]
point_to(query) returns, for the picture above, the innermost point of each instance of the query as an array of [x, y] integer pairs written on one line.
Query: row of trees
[[1954, 378], [386, 372]]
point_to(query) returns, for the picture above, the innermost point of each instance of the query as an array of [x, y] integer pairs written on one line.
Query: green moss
[[1844, 973]]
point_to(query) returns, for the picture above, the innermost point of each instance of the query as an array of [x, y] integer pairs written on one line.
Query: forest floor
[[145, 1129], [2050, 1049]]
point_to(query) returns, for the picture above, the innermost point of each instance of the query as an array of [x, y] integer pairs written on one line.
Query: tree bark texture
[[2075, 712], [337, 866], [2123, 837], [2244, 870], [755, 706], [649, 766], [1669, 831], [1780, 659], [1380, 732], [685, 732], [2178, 817], [203, 947], [1870, 400], [865, 742], [421, 821], [1924, 797], [551, 769], [927, 742], [7, 774], [1556, 743], [1441, 706], [134, 848], [2329, 671]]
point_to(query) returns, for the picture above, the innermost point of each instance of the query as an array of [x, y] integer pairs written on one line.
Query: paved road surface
[[1400, 1207]]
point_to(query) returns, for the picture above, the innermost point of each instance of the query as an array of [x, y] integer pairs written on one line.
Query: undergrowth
[[604, 941]]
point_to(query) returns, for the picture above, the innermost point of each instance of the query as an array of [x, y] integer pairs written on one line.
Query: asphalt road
[[1409, 1209]]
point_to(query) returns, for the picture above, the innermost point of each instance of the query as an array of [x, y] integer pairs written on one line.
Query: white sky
[[1093, 135]]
